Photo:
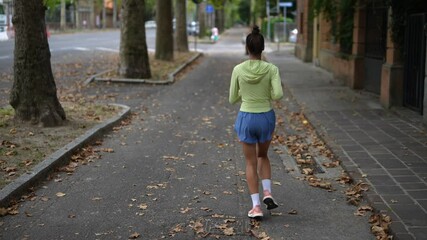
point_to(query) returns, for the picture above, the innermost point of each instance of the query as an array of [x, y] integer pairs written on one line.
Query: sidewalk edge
[[21, 185], [171, 76]]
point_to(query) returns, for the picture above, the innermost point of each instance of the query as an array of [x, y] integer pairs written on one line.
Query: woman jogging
[[256, 83]]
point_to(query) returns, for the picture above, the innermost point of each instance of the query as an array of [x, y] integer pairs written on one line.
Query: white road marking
[[107, 49], [5, 57], [81, 49]]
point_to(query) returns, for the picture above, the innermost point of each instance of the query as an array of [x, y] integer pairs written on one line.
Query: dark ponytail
[[255, 41]]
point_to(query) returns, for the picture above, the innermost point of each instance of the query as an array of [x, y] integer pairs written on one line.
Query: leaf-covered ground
[[22, 146]]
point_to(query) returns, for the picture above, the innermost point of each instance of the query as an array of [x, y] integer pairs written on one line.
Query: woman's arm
[[234, 95], [276, 85]]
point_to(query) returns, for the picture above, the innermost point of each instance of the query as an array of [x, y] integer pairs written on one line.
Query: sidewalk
[[387, 149]]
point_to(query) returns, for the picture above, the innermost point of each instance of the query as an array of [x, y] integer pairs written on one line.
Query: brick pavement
[[386, 148]]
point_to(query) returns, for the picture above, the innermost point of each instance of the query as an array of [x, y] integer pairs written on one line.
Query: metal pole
[[285, 34], [268, 19]]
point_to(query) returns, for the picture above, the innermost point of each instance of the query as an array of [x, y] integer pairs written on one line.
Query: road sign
[[285, 4], [209, 8]]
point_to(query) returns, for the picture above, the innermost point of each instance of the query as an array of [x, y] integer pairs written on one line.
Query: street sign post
[[285, 5], [209, 8]]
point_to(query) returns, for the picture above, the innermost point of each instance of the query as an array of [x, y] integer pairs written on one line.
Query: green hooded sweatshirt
[[255, 83]]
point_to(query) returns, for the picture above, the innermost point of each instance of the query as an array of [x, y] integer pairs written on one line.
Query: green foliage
[[273, 20], [52, 3], [6, 114], [400, 12], [244, 11], [218, 4], [150, 10], [340, 13]]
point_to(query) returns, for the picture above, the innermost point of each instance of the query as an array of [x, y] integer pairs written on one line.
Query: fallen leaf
[[143, 206], [206, 209], [331, 164], [108, 150], [293, 212], [185, 210], [134, 235], [229, 231], [3, 212], [13, 131], [362, 210], [307, 171], [60, 194]]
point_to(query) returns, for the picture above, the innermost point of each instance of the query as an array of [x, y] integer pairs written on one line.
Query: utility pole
[[268, 18]]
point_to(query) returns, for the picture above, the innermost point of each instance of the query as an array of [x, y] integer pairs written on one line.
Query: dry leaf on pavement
[[134, 235], [60, 194]]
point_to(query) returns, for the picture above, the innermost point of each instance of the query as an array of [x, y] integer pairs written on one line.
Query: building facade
[[375, 63]]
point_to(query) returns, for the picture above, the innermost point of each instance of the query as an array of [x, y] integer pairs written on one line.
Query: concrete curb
[[59, 158], [171, 76]]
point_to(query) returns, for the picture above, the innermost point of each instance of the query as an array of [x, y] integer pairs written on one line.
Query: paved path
[[177, 169], [389, 148]]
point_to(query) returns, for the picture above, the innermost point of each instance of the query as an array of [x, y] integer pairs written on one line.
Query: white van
[[2, 17]]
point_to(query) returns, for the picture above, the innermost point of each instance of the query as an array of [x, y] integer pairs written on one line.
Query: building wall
[[343, 67], [304, 45], [425, 95], [350, 69]]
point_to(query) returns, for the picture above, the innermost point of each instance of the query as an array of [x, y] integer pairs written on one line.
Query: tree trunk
[[202, 17], [33, 94], [164, 31], [219, 19], [104, 16], [181, 28], [78, 23], [134, 62], [92, 14], [114, 13], [63, 21]]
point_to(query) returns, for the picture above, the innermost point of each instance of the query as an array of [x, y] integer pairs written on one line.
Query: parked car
[[150, 24], [193, 28], [293, 36]]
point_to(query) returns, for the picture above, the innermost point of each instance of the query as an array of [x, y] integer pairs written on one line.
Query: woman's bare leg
[[264, 167], [250, 152]]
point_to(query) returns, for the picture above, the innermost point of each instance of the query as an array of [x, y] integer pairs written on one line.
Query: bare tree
[[181, 28], [134, 61], [33, 94], [63, 16], [164, 30], [201, 18]]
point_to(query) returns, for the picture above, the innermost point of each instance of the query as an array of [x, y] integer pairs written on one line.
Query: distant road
[[85, 44], [73, 44]]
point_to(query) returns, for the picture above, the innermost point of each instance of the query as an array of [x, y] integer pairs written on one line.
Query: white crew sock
[[255, 199], [266, 184]]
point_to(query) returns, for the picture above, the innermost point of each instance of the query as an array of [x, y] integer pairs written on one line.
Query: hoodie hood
[[253, 71]]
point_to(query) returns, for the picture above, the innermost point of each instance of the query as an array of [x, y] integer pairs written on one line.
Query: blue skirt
[[255, 127]]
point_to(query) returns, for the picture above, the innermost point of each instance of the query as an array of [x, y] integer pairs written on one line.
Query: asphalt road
[[76, 44]]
